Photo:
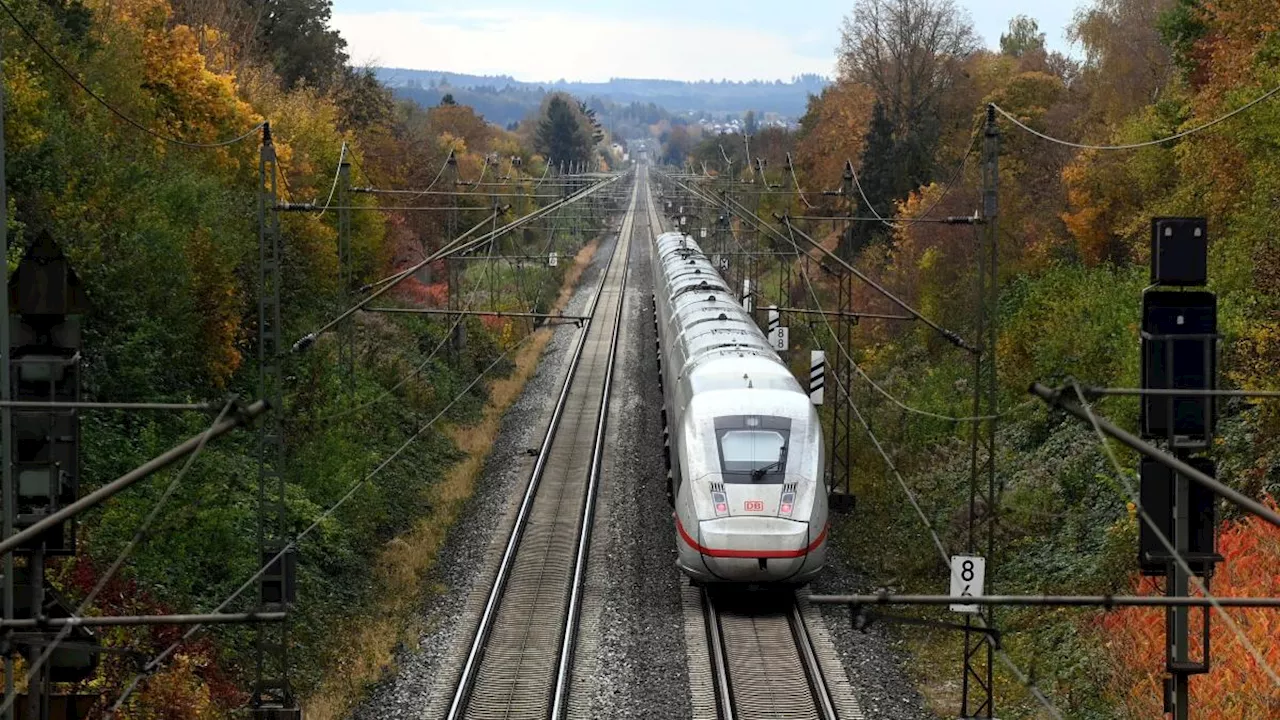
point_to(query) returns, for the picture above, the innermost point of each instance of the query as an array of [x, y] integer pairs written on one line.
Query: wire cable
[[792, 167], [1131, 146], [1135, 496], [889, 396], [342, 156], [115, 111]]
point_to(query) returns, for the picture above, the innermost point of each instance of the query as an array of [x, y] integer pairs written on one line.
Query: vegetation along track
[[519, 662], [763, 661]]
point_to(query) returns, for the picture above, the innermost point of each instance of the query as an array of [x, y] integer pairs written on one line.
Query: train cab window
[[753, 448]]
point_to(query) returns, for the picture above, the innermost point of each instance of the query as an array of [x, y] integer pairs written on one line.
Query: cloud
[[545, 46]]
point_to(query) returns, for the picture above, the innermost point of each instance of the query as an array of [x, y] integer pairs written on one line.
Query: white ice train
[[744, 444]]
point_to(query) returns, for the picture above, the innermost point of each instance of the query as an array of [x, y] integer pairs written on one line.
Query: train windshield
[[752, 449]]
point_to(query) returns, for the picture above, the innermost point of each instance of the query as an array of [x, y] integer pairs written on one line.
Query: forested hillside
[[504, 99], [163, 233], [1074, 236]]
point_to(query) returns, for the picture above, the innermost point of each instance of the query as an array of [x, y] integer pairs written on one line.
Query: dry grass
[[371, 641]]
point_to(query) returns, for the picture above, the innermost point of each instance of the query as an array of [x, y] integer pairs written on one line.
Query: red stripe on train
[[749, 554]]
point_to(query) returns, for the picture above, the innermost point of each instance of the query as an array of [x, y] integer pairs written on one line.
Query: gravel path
[[422, 683]]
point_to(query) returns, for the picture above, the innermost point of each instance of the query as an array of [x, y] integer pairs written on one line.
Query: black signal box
[[1179, 251], [1157, 495], [1179, 352]]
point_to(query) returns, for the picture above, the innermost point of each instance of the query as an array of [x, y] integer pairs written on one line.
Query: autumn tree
[[831, 132], [910, 53], [1127, 65], [749, 123]]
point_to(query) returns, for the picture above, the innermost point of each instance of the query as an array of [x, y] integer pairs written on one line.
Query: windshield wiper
[[779, 465]]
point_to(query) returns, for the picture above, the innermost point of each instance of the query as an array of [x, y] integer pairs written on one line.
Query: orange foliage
[[840, 118], [176, 71], [1237, 687]]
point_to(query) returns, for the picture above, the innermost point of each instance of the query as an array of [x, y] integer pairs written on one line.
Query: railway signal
[[1179, 352], [44, 366]]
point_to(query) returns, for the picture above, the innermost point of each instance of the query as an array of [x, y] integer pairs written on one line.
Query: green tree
[[296, 37], [1024, 36], [749, 123], [562, 135], [881, 181]]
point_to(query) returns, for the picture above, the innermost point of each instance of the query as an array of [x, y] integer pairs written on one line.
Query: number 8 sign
[[967, 576]]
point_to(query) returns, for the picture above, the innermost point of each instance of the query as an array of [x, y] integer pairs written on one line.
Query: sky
[[550, 40]]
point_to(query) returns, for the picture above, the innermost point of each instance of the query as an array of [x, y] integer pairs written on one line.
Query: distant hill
[[503, 99]]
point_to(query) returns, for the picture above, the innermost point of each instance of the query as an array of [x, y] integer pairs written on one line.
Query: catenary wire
[[792, 167], [111, 108], [435, 350], [1148, 143], [1136, 498], [342, 157]]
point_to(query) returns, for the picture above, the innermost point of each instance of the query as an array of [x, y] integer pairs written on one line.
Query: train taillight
[[787, 504]]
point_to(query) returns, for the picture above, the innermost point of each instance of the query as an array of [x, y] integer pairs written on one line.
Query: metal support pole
[[977, 689], [6, 420], [452, 269], [347, 331], [271, 686], [1178, 617]]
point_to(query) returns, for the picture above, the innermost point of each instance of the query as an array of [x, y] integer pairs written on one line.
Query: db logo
[[753, 506]]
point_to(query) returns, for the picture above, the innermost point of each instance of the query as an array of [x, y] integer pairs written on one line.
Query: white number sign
[[553, 260], [967, 576], [780, 338]]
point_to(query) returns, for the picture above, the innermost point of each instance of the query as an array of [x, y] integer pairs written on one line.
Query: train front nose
[[760, 549]]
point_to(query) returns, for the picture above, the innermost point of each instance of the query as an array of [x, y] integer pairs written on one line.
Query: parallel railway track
[[520, 660]]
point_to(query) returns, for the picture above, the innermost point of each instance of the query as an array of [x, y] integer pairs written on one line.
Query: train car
[[743, 442]]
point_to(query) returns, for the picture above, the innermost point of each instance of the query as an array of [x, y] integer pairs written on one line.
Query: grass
[[406, 561]]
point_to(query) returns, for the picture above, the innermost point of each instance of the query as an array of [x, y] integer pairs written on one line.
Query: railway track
[[520, 659], [763, 661]]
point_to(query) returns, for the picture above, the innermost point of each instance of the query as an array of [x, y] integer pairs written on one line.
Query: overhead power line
[[1133, 146], [342, 157], [112, 108]]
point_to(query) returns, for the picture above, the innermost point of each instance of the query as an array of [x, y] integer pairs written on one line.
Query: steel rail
[[470, 669], [809, 658], [719, 660], [564, 665]]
